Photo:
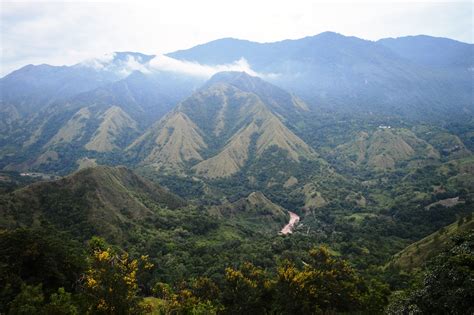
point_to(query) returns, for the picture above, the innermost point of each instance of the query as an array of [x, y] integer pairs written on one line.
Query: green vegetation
[[106, 280], [415, 255], [376, 197], [446, 285], [208, 258]]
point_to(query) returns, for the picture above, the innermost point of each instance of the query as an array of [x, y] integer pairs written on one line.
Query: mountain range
[[310, 108], [197, 159], [416, 76], [327, 70], [315, 107]]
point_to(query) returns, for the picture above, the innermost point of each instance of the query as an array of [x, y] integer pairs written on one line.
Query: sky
[[67, 32]]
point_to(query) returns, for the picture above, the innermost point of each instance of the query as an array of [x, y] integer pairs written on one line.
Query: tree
[[200, 297], [29, 301], [61, 303], [37, 256], [247, 290], [447, 286], [110, 283], [325, 284]]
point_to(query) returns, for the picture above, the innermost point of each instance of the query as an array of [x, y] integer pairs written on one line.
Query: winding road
[[294, 219]]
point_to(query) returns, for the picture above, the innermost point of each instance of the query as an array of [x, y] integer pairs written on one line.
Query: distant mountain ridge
[[393, 76], [31, 87], [425, 50], [413, 76]]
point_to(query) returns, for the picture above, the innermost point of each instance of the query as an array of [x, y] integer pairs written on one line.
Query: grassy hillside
[[418, 253], [114, 126], [170, 144], [224, 129], [385, 149]]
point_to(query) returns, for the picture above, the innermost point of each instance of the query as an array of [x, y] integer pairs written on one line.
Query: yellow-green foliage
[[111, 283], [197, 297], [324, 284]]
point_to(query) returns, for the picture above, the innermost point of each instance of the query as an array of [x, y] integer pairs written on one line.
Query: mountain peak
[[124, 55], [243, 81], [225, 75], [280, 101], [337, 39], [239, 79], [330, 34]]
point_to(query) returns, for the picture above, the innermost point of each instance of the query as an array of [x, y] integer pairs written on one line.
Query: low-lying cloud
[[98, 63], [162, 63], [123, 68], [132, 64], [165, 63], [168, 64]]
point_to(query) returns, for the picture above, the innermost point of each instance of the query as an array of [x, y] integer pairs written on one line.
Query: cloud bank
[[98, 63], [162, 63], [120, 67], [168, 64]]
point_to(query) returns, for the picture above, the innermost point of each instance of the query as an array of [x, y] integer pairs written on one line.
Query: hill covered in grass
[[420, 252]]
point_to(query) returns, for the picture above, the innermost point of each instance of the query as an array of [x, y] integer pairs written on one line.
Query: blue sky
[[66, 32]]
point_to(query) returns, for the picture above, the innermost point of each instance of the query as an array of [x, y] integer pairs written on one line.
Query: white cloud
[[132, 64], [165, 63], [98, 63], [123, 68]]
